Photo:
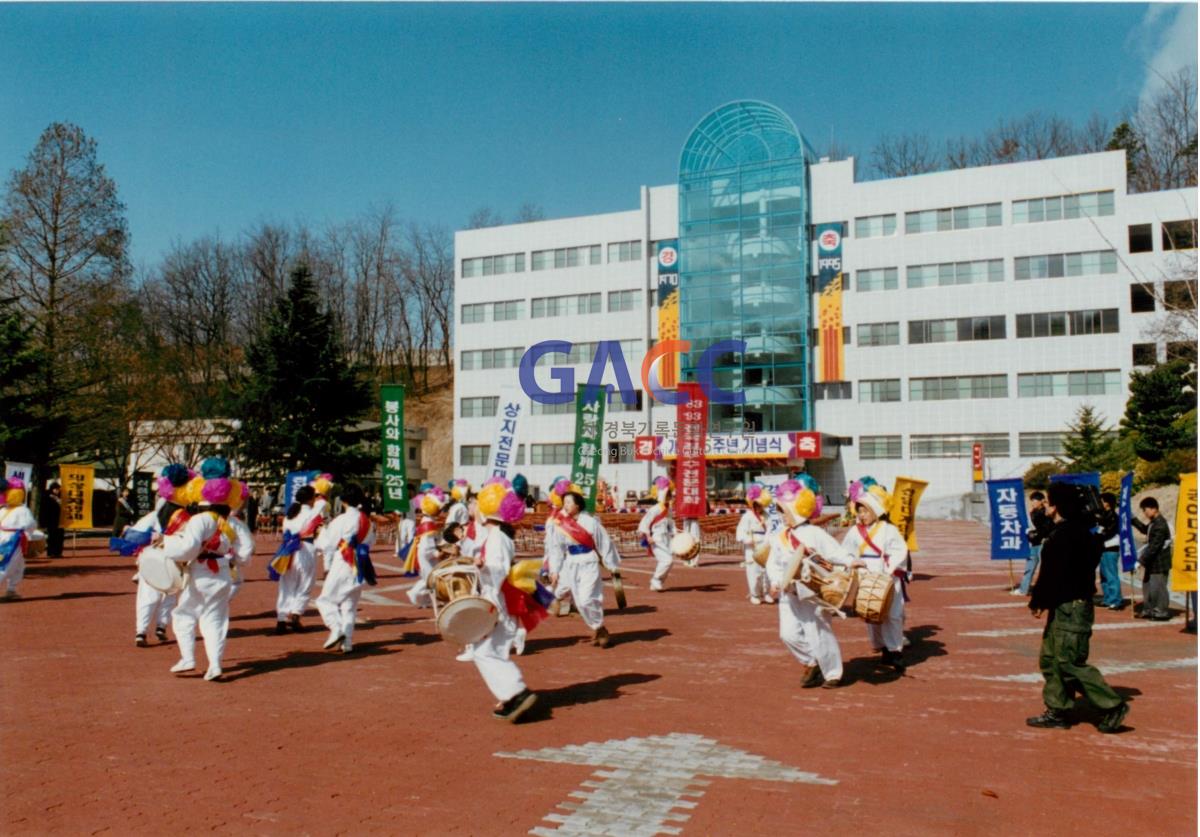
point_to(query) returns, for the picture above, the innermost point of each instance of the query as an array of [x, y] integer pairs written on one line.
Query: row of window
[[565, 257], [960, 329], [549, 306], [588, 254], [921, 446], [1029, 385], [1055, 208], [987, 270], [510, 358], [485, 406], [1176, 235]]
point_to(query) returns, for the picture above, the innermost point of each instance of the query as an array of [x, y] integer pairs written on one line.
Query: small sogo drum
[[762, 551], [37, 545], [685, 547], [836, 586], [159, 571], [874, 599], [460, 613]]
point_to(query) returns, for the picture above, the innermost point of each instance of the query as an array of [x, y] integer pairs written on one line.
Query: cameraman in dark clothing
[[1064, 590]]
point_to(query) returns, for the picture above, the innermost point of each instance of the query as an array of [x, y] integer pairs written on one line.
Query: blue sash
[[130, 542], [8, 549], [578, 549], [290, 545]]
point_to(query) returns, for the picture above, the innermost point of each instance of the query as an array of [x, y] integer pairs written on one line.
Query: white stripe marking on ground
[[1105, 668], [987, 606], [1115, 626], [1003, 588]]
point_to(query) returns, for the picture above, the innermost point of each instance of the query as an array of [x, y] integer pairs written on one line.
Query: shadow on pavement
[[698, 588], [606, 688], [632, 610], [648, 635], [58, 570], [923, 646], [307, 659]]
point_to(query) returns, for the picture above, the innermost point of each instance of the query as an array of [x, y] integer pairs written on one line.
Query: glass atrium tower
[[743, 270]]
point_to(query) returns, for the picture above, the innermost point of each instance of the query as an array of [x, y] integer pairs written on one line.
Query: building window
[[564, 306], [566, 257], [951, 389], [513, 309], [493, 265], [474, 313], [1179, 235], [623, 300], [539, 409], [1141, 238], [874, 226], [473, 454], [1092, 263], [833, 391], [879, 279], [883, 390], [478, 407], [624, 251], [1145, 354], [1040, 444], [879, 334], [954, 273], [1060, 207], [1182, 350], [491, 359], [1059, 323], [954, 218], [1047, 384], [620, 453], [552, 454], [1180, 294], [957, 445], [616, 404], [960, 329], [879, 447], [1141, 298]]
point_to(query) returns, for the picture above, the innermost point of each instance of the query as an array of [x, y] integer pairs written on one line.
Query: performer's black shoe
[[294, 623], [601, 638], [140, 640], [280, 628], [832, 684], [812, 678], [160, 634], [1050, 719], [893, 659], [515, 707], [1114, 719]]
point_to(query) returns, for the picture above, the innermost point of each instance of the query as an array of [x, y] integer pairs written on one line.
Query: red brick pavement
[[397, 738]]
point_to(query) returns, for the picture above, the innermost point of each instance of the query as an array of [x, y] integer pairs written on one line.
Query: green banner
[[391, 425], [589, 448]]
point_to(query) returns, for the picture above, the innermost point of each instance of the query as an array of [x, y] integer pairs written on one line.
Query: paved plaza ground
[[692, 723]]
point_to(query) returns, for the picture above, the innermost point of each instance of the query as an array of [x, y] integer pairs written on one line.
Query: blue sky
[[212, 118]]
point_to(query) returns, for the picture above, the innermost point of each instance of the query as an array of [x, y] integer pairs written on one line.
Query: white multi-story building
[[982, 305]]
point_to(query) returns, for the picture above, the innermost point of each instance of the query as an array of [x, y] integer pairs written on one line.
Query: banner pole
[[1011, 579]]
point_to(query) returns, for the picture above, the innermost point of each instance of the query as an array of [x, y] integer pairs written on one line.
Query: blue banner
[[1091, 478], [829, 253], [1125, 527], [296, 480], [1010, 523]]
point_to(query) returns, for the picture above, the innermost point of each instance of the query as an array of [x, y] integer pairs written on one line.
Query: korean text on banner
[[1125, 524], [1006, 498], [76, 495], [143, 491], [589, 445], [506, 442], [903, 510], [690, 466], [391, 445], [668, 309], [1183, 559], [294, 481]]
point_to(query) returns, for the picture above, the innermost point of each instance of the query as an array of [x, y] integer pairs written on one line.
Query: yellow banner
[[831, 354], [1183, 560], [668, 329], [903, 511], [76, 495]]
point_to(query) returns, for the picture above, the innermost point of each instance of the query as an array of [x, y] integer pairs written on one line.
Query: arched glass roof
[[739, 133]]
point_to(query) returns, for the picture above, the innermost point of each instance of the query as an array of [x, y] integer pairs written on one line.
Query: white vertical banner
[[21, 470], [510, 411]]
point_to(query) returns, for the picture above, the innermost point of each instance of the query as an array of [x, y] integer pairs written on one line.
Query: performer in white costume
[[153, 606], [501, 508], [657, 528], [581, 545], [752, 533], [460, 490], [348, 537], [803, 625], [322, 511], [205, 542], [424, 552], [295, 563], [16, 525], [880, 545]]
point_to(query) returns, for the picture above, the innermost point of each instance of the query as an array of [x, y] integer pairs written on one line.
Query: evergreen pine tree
[[1088, 445], [20, 373], [1159, 401], [302, 397]]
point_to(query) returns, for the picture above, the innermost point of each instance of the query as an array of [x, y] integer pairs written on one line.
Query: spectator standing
[[126, 512], [1040, 527], [1110, 564], [1155, 561], [50, 519]]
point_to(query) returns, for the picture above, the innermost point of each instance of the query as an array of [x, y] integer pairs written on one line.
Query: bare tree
[[482, 217], [903, 155], [529, 211], [1165, 132]]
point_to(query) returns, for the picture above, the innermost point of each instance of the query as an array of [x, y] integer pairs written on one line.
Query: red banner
[[691, 430]]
